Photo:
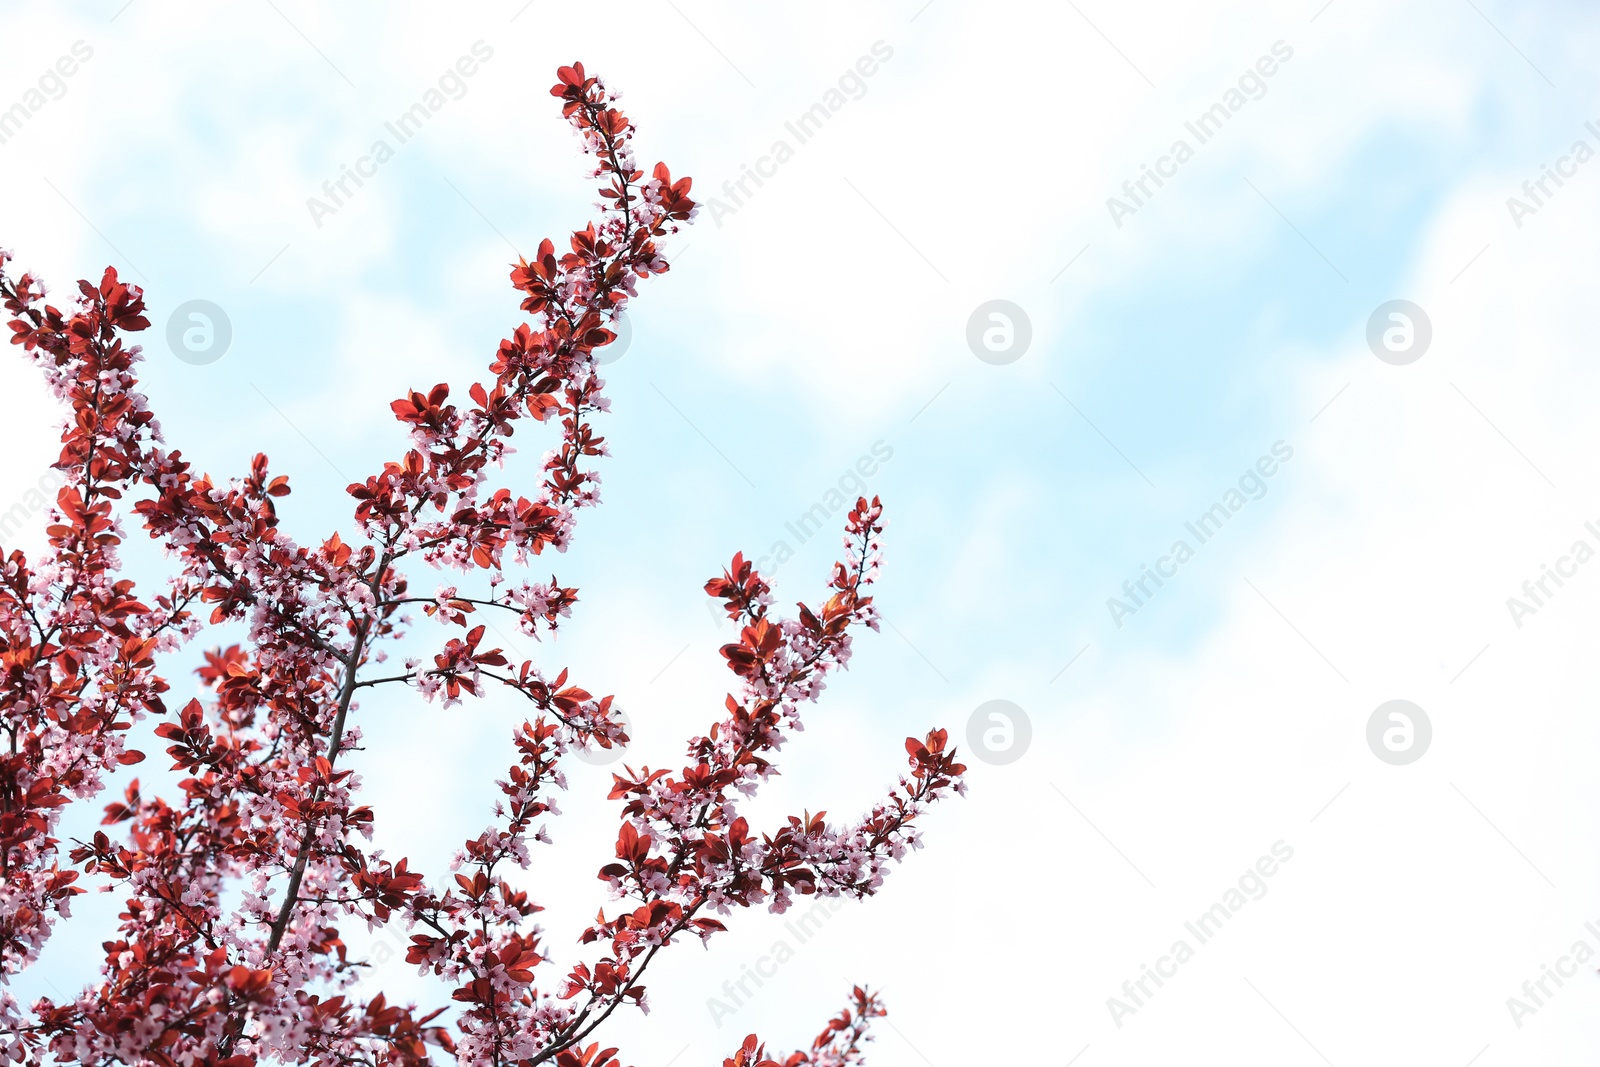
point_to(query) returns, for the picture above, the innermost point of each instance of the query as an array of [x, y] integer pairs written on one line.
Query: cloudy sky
[[1313, 164]]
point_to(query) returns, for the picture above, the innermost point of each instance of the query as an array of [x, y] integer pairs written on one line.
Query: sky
[[1211, 343]]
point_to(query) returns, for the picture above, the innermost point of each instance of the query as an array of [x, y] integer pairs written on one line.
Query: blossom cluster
[[231, 948]]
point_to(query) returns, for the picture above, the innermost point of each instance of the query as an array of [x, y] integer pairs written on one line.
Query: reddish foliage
[[229, 949]]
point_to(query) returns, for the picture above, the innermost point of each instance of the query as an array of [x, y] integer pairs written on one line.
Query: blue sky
[[824, 316]]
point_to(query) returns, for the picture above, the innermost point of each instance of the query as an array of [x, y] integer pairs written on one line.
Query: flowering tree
[[229, 949]]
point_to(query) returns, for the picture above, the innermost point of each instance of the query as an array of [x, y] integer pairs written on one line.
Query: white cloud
[[806, 327]]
